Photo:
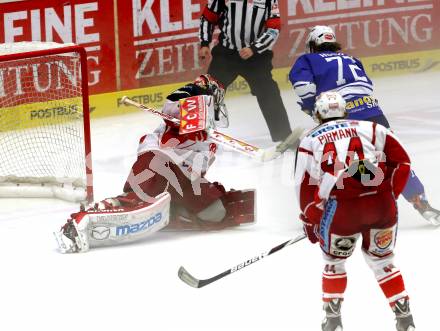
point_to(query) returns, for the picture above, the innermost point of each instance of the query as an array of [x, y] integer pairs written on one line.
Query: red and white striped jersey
[[346, 158]]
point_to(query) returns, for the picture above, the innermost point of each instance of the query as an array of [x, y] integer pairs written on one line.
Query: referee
[[249, 30]]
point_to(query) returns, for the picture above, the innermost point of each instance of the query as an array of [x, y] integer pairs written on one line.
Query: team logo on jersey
[[345, 244], [342, 246], [328, 128], [384, 238], [100, 232], [365, 102]]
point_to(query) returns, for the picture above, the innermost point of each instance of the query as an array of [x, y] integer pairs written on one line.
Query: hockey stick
[[187, 278], [243, 147]]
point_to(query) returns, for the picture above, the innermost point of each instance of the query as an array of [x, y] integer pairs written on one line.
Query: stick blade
[[269, 154], [187, 278], [292, 140], [124, 100]]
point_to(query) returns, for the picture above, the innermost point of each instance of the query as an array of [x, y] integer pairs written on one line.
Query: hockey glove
[[314, 211], [310, 229]]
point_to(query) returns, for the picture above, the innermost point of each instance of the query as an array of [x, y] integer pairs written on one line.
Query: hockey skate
[[332, 320], [404, 319], [72, 239], [422, 205]]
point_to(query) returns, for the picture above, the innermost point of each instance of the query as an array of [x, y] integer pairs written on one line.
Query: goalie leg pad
[[240, 209], [101, 227]]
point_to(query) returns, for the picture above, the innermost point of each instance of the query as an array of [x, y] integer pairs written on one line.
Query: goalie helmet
[[217, 90], [318, 35], [329, 105], [214, 87]]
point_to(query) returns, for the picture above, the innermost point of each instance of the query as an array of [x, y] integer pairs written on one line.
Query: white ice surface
[[135, 287]]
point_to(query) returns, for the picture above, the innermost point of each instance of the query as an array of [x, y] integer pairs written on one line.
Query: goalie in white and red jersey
[[348, 176], [166, 187]]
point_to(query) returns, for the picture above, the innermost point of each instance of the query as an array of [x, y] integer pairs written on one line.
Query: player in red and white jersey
[[166, 187], [348, 177]]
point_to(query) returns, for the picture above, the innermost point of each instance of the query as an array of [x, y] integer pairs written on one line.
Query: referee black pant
[[227, 64]]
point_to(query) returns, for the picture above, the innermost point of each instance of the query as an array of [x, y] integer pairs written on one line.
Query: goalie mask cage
[[45, 148]]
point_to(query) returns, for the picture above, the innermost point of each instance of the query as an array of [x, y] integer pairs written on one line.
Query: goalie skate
[[72, 239]]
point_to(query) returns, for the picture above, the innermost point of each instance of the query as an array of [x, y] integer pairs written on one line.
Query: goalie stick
[[261, 154], [187, 278]]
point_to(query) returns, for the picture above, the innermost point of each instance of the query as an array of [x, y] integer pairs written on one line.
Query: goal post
[[45, 148]]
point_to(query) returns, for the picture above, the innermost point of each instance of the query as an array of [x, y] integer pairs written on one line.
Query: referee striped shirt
[[242, 23]]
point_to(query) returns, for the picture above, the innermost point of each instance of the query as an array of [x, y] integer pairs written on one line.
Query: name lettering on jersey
[[337, 135], [344, 130]]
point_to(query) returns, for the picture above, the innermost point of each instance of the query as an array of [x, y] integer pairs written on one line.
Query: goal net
[[44, 122]]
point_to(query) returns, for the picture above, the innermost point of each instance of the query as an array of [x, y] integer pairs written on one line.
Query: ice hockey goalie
[[166, 187]]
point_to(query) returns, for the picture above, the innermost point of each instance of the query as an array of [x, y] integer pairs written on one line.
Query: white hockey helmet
[[318, 35], [329, 105]]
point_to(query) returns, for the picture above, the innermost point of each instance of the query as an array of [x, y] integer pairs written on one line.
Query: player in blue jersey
[[325, 68]]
